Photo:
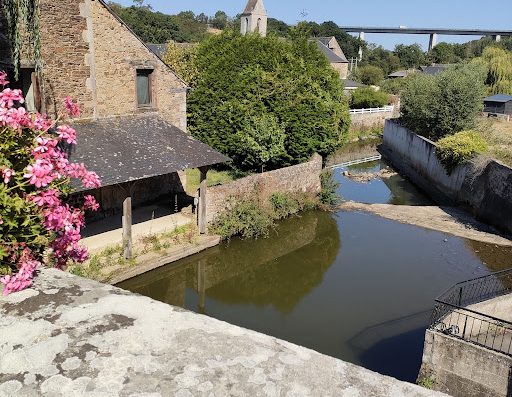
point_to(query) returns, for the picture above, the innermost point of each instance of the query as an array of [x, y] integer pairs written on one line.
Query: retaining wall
[[298, 178], [462, 369], [363, 121], [485, 189]]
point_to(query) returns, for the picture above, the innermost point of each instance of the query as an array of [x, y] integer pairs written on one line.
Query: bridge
[[433, 32]]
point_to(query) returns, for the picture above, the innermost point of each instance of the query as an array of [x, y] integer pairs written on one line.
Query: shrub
[[369, 75], [36, 224], [435, 106], [367, 97], [288, 82], [459, 148], [329, 192]]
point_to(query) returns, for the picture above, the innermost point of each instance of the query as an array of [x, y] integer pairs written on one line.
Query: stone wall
[[298, 178], [341, 68], [462, 369], [118, 53], [365, 121], [90, 55], [485, 189]]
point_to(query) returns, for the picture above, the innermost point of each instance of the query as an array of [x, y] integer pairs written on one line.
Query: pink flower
[[67, 133], [7, 174], [40, 174], [23, 279], [91, 180], [71, 108], [8, 97], [90, 203], [3, 78], [14, 118], [48, 198]]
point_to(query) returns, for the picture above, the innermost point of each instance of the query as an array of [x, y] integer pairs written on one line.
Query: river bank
[[451, 220]]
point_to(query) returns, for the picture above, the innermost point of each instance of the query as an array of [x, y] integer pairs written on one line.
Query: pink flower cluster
[[23, 278], [49, 166]]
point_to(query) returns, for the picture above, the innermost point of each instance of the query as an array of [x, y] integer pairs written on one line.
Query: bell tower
[[254, 18]]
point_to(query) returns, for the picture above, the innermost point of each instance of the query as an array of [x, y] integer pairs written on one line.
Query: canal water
[[348, 284]]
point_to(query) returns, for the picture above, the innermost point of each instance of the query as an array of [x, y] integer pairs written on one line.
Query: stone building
[[254, 18], [330, 47], [134, 107]]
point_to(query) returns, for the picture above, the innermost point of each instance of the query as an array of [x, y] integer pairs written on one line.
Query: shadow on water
[[350, 285]]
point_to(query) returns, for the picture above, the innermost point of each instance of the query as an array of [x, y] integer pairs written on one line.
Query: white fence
[[358, 161], [384, 109]]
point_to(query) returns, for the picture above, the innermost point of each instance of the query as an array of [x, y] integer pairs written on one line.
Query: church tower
[[254, 18]]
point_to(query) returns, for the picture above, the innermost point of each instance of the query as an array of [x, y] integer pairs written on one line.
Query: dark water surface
[[350, 285]]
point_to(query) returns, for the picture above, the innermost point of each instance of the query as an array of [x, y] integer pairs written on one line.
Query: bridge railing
[[453, 316], [384, 109]]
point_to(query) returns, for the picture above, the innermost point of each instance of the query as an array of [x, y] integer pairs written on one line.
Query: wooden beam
[[127, 228], [202, 200]]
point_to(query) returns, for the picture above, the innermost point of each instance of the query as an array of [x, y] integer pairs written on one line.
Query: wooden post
[[202, 200], [127, 228], [201, 285]]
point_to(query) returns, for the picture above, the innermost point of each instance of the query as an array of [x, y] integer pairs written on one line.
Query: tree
[[443, 53], [435, 106], [498, 65], [411, 56], [220, 20], [367, 97], [261, 141], [369, 75], [181, 59], [242, 78]]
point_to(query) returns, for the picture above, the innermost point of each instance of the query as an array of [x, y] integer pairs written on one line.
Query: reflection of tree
[[283, 280], [404, 192], [495, 257]]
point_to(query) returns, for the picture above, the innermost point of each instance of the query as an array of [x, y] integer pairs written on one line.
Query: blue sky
[[432, 13]]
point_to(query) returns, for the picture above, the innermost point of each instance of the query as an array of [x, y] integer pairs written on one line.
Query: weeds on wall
[[328, 195]]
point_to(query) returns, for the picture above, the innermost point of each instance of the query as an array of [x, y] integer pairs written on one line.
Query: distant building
[[498, 104], [254, 18], [400, 74], [350, 86], [434, 69], [330, 47]]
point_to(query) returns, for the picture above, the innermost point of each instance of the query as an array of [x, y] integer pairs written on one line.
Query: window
[[144, 80], [28, 83]]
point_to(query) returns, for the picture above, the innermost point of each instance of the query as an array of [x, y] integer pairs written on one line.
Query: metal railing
[[453, 316], [384, 109], [357, 161]]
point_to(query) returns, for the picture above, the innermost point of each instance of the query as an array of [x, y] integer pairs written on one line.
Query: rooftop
[[129, 148], [331, 56], [499, 98]]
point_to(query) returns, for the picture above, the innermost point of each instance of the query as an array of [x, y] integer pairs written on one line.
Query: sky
[[380, 13]]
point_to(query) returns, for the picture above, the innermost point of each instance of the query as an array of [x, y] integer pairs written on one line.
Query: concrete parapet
[[70, 336]]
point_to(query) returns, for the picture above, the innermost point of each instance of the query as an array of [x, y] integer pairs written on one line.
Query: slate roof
[[352, 84], [158, 49], [400, 73], [129, 148], [433, 70], [331, 56], [249, 8], [499, 98]]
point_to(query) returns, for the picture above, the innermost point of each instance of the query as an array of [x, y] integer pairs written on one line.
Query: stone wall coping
[[72, 336]]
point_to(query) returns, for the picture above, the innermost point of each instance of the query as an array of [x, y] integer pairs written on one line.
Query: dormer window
[[144, 88]]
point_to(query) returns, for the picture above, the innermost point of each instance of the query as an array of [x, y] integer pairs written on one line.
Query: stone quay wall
[[301, 178], [365, 121], [485, 188], [462, 369]]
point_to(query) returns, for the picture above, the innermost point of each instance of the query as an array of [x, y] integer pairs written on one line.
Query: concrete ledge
[[70, 336]]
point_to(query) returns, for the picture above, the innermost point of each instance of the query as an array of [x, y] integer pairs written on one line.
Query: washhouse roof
[[130, 148]]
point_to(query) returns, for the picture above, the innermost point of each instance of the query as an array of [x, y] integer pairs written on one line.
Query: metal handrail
[[373, 110], [452, 317]]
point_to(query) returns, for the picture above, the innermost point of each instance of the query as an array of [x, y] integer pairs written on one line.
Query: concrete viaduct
[[496, 34]]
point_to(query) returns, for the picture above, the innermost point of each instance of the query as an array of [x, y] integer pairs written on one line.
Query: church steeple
[[254, 18]]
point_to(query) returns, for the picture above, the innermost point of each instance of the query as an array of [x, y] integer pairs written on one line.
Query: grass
[[498, 135], [358, 133], [213, 178], [105, 263]]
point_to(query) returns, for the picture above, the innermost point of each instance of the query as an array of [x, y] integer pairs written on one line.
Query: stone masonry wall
[[298, 178], [462, 369], [118, 54], [363, 121], [342, 69]]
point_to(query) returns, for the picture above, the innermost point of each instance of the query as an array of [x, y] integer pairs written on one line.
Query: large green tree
[[285, 85], [411, 56], [498, 64], [435, 106]]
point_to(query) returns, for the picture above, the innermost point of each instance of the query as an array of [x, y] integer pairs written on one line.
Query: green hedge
[[459, 148]]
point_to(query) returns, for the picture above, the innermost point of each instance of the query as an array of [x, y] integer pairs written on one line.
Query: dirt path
[[444, 219]]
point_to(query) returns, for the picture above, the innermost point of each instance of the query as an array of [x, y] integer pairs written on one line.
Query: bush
[[435, 106], [369, 75], [249, 82], [367, 97], [459, 148], [329, 192]]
